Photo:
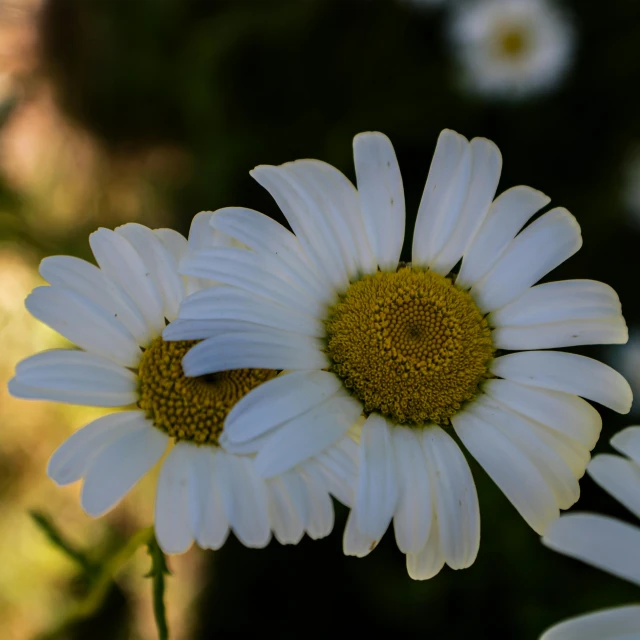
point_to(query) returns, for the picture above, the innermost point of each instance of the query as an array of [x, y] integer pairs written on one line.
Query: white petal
[[278, 401], [202, 234], [74, 377], [507, 215], [84, 323], [285, 519], [87, 280], [218, 303], [264, 348], [428, 562], [120, 261], [266, 236], [320, 517], [377, 492], [202, 329], [412, 518], [119, 466], [244, 496], [160, 263], [620, 477], [486, 165], [627, 441], [619, 623], [567, 372], [72, 458], [381, 196], [456, 500], [564, 412], [541, 247], [174, 526], [509, 468], [443, 197], [605, 543], [174, 242], [307, 435], [255, 272], [354, 542]]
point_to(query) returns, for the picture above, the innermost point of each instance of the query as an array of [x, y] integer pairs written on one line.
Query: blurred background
[[153, 110]]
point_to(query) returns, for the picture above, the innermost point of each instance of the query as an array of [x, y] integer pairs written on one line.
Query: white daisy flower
[[413, 348], [115, 313], [605, 543], [511, 48]]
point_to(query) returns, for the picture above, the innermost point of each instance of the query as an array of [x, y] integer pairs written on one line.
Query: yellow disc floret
[[190, 408], [512, 40], [409, 345]]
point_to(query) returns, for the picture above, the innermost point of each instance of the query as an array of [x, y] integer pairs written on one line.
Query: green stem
[[158, 571]]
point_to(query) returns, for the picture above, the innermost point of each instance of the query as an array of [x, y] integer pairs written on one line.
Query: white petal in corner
[[119, 466], [85, 323], [569, 373], [627, 441], [541, 247], [307, 435], [412, 518], [486, 165], [443, 197], [377, 491], [620, 477], [605, 543], [354, 542], [264, 348], [244, 496], [381, 196], [278, 401], [507, 215], [456, 500], [73, 457], [428, 562], [619, 623], [74, 377], [174, 527], [509, 468]]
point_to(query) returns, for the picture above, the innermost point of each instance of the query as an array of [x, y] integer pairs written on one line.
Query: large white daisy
[[418, 347], [604, 542], [115, 313]]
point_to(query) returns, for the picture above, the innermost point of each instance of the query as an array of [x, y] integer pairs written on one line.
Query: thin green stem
[[158, 571]]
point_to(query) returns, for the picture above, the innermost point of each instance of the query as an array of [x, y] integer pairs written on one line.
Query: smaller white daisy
[[116, 313], [511, 48], [605, 543]]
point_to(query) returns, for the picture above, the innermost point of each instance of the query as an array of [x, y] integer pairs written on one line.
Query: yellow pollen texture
[[190, 408], [409, 345]]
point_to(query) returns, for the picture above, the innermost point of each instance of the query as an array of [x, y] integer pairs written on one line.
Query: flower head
[[115, 313]]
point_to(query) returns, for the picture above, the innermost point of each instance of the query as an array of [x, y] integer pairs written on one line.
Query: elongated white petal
[[202, 329], [307, 435], [320, 508], [354, 542], [619, 623], [486, 165], [119, 466], [564, 412], [84, 323], [278, 401], [541, 247], [627, 441], [377, 491], [287, 522], [412, 518], [605, 543], [229, 303], [120, 261], [266, 236], [87, 280], [508, 214], [428, 562], [74, 377], [567, 372], [381, 196], [509, 468], [173, 520], [455, 497], [175, 243], [620, 477], [443, 198], [244, 496], [264, 348], [72, 458], [161, 266]]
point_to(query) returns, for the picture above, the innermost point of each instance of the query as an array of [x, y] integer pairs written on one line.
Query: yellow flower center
[[190, 408], [409, 345], [513, 41]]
